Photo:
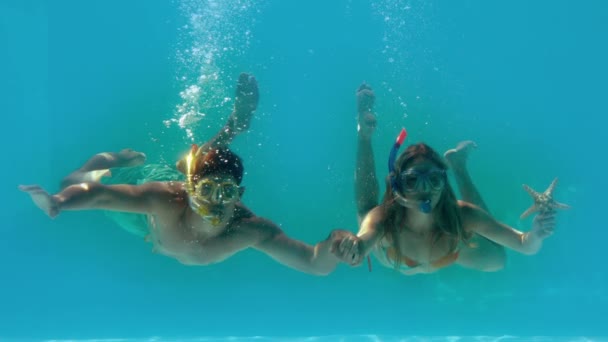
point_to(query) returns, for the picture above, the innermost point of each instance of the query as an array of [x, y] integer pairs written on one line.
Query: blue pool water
[[525, 81]]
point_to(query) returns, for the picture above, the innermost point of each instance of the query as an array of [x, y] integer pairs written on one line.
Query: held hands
[[347, 247], [246, 100], [42, 199]]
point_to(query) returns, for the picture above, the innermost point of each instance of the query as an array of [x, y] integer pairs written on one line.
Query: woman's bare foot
[[366, 119], [457, 157]]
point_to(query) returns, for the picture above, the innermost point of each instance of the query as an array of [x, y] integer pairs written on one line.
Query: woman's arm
[[479, 221], [351, 248]]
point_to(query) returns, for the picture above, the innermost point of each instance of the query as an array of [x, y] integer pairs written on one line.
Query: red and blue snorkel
[[425, 206], [393, 155]]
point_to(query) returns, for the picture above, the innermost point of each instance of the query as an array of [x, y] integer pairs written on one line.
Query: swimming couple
[[194, 212]]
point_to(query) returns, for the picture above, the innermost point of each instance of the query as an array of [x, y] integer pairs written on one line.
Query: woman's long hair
[[446, 214]]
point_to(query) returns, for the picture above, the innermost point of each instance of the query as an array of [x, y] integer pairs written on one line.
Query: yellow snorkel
[[190, 158], [193, 198]]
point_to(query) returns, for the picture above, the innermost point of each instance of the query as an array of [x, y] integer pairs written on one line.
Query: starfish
[[543, 202]]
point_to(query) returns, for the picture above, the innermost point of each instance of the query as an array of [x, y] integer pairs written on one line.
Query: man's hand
[[246, 101]]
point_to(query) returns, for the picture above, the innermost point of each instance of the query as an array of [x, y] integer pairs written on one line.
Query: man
[[199, 220]]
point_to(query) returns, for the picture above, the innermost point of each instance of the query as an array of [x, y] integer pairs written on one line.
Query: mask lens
[[436, 179], [412, 180], [205, 188], [409, 181], [210, 191], [230, 191]]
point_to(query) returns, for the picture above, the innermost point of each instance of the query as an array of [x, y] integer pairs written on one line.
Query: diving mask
[[412, 180], [212, 191], [209, 193], [425, 205]]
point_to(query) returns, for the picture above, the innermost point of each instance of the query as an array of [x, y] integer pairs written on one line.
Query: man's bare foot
[[366, 119], [108, 160], [457, 157], [246, 101], [129, 158], [42, 199]]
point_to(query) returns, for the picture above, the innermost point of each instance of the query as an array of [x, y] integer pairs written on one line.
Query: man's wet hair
[[216, 161]]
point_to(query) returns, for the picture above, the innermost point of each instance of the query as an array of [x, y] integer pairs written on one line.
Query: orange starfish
[[543, 202]]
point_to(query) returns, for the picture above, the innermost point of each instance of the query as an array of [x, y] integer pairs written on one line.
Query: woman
[[420, 226]]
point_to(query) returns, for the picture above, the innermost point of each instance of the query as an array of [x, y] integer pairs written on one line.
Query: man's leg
[[99, 166]]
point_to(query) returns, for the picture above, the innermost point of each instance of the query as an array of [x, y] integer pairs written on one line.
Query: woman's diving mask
[[411, 180], [208, 195]]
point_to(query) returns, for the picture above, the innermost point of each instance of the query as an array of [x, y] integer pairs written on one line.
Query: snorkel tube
[[195, 204], [425, 206], [393, 155], [190, 169]]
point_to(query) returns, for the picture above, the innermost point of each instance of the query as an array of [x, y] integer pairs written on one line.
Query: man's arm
[[129, 198], [245, 103], [317, 260]]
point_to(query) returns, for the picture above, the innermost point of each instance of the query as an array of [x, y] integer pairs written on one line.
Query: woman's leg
[[457, 158], [481, 253], [366, 181]]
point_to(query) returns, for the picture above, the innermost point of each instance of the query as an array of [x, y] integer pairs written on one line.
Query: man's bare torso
[[178, 232]]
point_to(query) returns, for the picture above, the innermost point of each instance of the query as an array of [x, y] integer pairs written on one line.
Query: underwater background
[[525, 80]]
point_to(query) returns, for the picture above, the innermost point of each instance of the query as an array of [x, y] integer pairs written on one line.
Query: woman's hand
[[543, 224]]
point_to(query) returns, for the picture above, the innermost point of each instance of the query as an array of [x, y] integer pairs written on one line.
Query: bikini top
[[446, 260]]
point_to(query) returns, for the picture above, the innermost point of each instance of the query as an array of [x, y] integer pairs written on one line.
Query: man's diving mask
[[207, 193], [211, 191]]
